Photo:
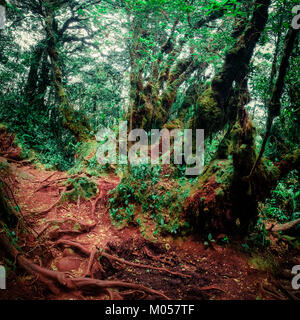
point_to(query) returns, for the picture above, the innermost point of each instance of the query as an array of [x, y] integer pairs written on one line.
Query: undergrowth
[[79, 187], [145, 193], [39, 131], [283, 204]]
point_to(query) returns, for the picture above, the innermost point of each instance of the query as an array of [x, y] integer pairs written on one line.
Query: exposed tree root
[[90, 254], [94, 204], [75, 227], [284, 227], [113, 295], [41, 186], [25, 161], [160, 258], [286, 291], [272, 292], [55, 279], [56, 181], [144, 266], [90, 264], [75, 245], [120, 260], [53, 205], [81, 283], [211, 287]]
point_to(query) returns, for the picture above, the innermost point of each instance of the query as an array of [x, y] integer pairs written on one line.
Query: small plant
[[259, 238], [79, 188], [284, 202], [144, 186]]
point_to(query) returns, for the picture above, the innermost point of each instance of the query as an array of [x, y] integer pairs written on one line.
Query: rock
[[68, 264]]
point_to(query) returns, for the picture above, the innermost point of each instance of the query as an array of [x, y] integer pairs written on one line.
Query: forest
[[215, 215]]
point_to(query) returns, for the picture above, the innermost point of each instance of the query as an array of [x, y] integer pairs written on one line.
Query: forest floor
[[179, 268]]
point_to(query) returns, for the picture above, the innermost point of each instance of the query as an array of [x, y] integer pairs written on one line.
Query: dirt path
[[70, 232]]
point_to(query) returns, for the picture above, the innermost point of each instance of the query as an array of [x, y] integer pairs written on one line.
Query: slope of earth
[[89, 258]]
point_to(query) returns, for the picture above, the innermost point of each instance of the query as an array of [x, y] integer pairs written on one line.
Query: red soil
[[218, 272]]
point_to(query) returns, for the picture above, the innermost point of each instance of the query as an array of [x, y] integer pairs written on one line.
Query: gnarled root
[[120, 260], [54, 280], [284, 227], [70, 225]]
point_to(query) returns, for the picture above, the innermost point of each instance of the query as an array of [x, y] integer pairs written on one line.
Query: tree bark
[[32, 81], [151, 99], [214, 108], [226, 197], [7, 215], [72, 119]]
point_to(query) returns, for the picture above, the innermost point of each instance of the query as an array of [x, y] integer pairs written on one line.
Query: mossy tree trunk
[[72, 119], [227, 195], [37, 80], [153, 92], [217, 105]]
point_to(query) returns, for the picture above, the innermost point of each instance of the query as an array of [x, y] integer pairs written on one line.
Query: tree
[[179, 64], [235, 186]]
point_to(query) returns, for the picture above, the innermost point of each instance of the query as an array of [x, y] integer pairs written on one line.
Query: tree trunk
[[227, 195], [214, 106], [7, 215], [32, 81], [72, 119], [151, 99]]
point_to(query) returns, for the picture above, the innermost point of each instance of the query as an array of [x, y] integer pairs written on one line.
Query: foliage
[[158, 63], [284, 203], [79, 187], [144, 190]]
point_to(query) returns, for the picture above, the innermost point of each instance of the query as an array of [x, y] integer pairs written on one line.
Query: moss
[[7, 212], [264, 263], [242, 147], [220, 193], [88, 149], [234, 52], [293, 158], [3, 127], [209, 114], [214, 167], [144, 122], [174, 124], [207, 101], [235, 134], [169, 96], [224, 176], [73, 122]]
